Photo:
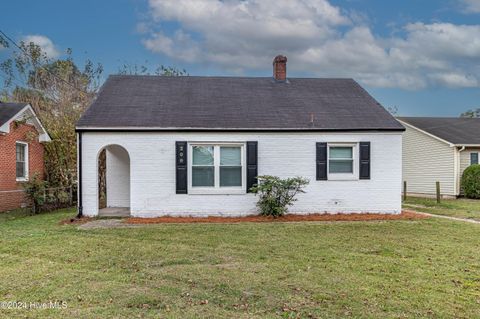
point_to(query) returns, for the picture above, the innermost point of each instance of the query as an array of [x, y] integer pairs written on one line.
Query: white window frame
[[25, 177], [216, 189], [344, 176]]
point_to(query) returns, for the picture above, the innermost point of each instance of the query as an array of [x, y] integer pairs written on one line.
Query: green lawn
[[462, 208], [396, 269]]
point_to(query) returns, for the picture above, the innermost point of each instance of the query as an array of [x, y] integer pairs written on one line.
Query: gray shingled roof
[[8, 110], [461, 131], [235, 103]]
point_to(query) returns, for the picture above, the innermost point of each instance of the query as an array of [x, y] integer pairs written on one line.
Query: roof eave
[[220, 129], [426, 133], [43, 135]]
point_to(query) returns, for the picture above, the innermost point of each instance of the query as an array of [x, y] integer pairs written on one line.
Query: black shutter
[[364, 160], [181, 167], [322, 162], [252, 166]]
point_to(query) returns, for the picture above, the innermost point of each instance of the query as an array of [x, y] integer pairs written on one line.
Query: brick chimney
[[280, 68]]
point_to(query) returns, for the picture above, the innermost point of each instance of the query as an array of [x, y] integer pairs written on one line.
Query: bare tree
[[59, 92], [146, 69], [392, 109]]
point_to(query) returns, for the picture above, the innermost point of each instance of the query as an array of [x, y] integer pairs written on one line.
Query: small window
[[340, 160], [21, 161], [217, 168], [473, 158]]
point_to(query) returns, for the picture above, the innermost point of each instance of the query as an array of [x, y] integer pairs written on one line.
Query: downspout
[[457, 177], [80, 206]]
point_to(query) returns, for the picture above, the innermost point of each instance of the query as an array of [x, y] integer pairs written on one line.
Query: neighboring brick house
[[21, 151]]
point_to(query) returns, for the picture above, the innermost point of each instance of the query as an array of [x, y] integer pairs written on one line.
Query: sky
[[421, 57]]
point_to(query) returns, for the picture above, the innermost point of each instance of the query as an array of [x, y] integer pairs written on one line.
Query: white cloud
[[318, 38], [179, 46], [470, 6], [44, 43]]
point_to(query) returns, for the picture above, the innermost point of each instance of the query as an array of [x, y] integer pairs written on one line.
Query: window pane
[[473, 158], [230, 156], [20, 152], [202, 155], [203, 176], [339, 166], [20, 169], [231, 176], [341, 152]]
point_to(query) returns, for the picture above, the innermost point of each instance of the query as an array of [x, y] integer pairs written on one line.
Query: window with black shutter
[[338, 161]]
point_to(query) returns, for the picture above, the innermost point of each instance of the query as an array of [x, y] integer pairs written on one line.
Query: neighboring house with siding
[[438, 149], [21, 152], [194, 146]]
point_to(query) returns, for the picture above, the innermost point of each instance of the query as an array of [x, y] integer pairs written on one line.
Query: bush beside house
[[276, 194], [471, 182]]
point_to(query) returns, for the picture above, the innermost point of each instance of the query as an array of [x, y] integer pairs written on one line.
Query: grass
[[396, 269], [462, 208], [14, 214]]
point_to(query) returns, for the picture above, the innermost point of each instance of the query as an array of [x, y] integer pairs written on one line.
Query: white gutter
[[467, 145], [457, 179]]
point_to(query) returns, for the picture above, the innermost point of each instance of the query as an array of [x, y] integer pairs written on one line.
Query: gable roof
[[234, 103], [10, 112], [455, 130]]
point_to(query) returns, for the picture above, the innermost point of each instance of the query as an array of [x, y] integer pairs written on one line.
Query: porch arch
[[117, 181]]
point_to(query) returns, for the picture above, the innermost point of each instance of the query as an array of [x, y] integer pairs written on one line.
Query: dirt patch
[[287, 218], [76, 221]]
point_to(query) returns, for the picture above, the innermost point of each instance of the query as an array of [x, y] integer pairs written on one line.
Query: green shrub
[[35, 191], [471, 181], [50, 197], [63, 197], [276, 194]]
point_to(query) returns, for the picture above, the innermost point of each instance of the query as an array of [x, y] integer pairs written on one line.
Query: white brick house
[[193, 146]]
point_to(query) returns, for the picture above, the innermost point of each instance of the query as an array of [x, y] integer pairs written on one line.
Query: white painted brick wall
[[152, 173]]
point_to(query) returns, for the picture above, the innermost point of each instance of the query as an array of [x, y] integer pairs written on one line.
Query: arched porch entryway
[[113, 187]]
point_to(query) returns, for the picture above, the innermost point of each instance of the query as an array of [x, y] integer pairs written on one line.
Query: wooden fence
[[437, 191]]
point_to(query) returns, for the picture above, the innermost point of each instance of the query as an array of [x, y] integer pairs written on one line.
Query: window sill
[[341, 177], [216, 191], [20, 180]]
